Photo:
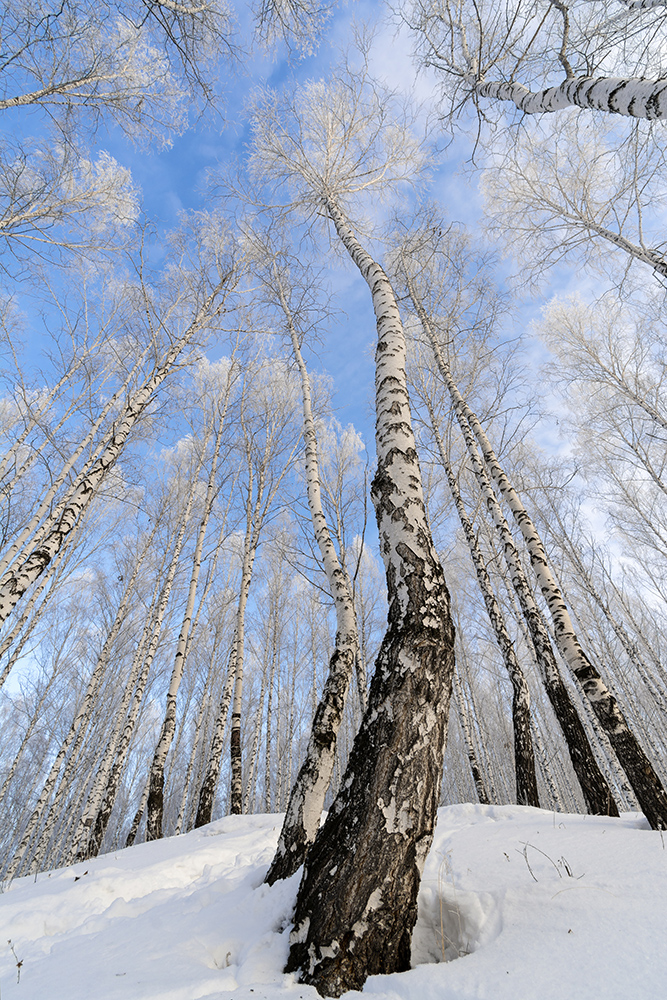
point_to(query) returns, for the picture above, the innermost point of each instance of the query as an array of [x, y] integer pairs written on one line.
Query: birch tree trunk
[[302, 818], [464, 721], [632, 96], [85, 710], [524, 756], [104, 813], [596, 791], [210, 782], [250, 544], [8, 566], [641, 774], [88, 483], [353, 918], [155, 799]]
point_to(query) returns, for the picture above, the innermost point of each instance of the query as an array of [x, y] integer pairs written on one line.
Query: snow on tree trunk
[[302, 818], [357, 902], [632, 96]]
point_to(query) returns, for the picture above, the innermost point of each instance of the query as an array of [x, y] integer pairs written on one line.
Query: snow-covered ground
[[520, 903]]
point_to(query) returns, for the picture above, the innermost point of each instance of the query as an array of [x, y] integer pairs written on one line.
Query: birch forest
[[435, 224]]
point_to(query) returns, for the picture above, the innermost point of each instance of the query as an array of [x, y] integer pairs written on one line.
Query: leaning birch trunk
[[148, 641], [464, 722], [134, 828], [29, 731], [84, 712], [155, 801], [632, 96], [524, 755], [354, 919], [253, 525], [629, 647], [212, 773], [88, 484], [268, 805], [596, 791], [7, 566], [27, 624], [104, 813], [641, 774], [306, 801], [199, 732]]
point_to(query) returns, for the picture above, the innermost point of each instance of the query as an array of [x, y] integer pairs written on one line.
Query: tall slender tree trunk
[[466, 729], [155, 800], [212, 773], [306, 802], [355, 918], [88, 483], [633, 759], [524, 755], [596, 791]]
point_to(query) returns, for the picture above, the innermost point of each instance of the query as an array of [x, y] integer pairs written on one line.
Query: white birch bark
[[7, 565], [149, 640], [77, 730], [464, 721], [250, 543], [352, 919], [104, 813], [28, 623], [632, 96], [268, 804], [155, 801], [87, 485], [594, 786], [641, 774], [306, 801], [526, 782], [212, 772], [134, 828]]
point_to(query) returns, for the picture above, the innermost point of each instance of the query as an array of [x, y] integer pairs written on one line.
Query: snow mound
[[516, 903]]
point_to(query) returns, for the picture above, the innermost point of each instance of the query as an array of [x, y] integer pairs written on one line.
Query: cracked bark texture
[[357, 903]]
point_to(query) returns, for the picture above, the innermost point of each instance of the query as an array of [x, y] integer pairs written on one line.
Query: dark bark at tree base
[[595, 789], [155, 806], [357, 904], [524, 755], [205, 806], [645, 782], [236, 796]]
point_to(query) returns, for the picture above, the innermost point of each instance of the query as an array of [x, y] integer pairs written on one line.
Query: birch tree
[[204, 294], [329, 144], [307, 797], [546, 56], [641, 774], [215, 427]]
